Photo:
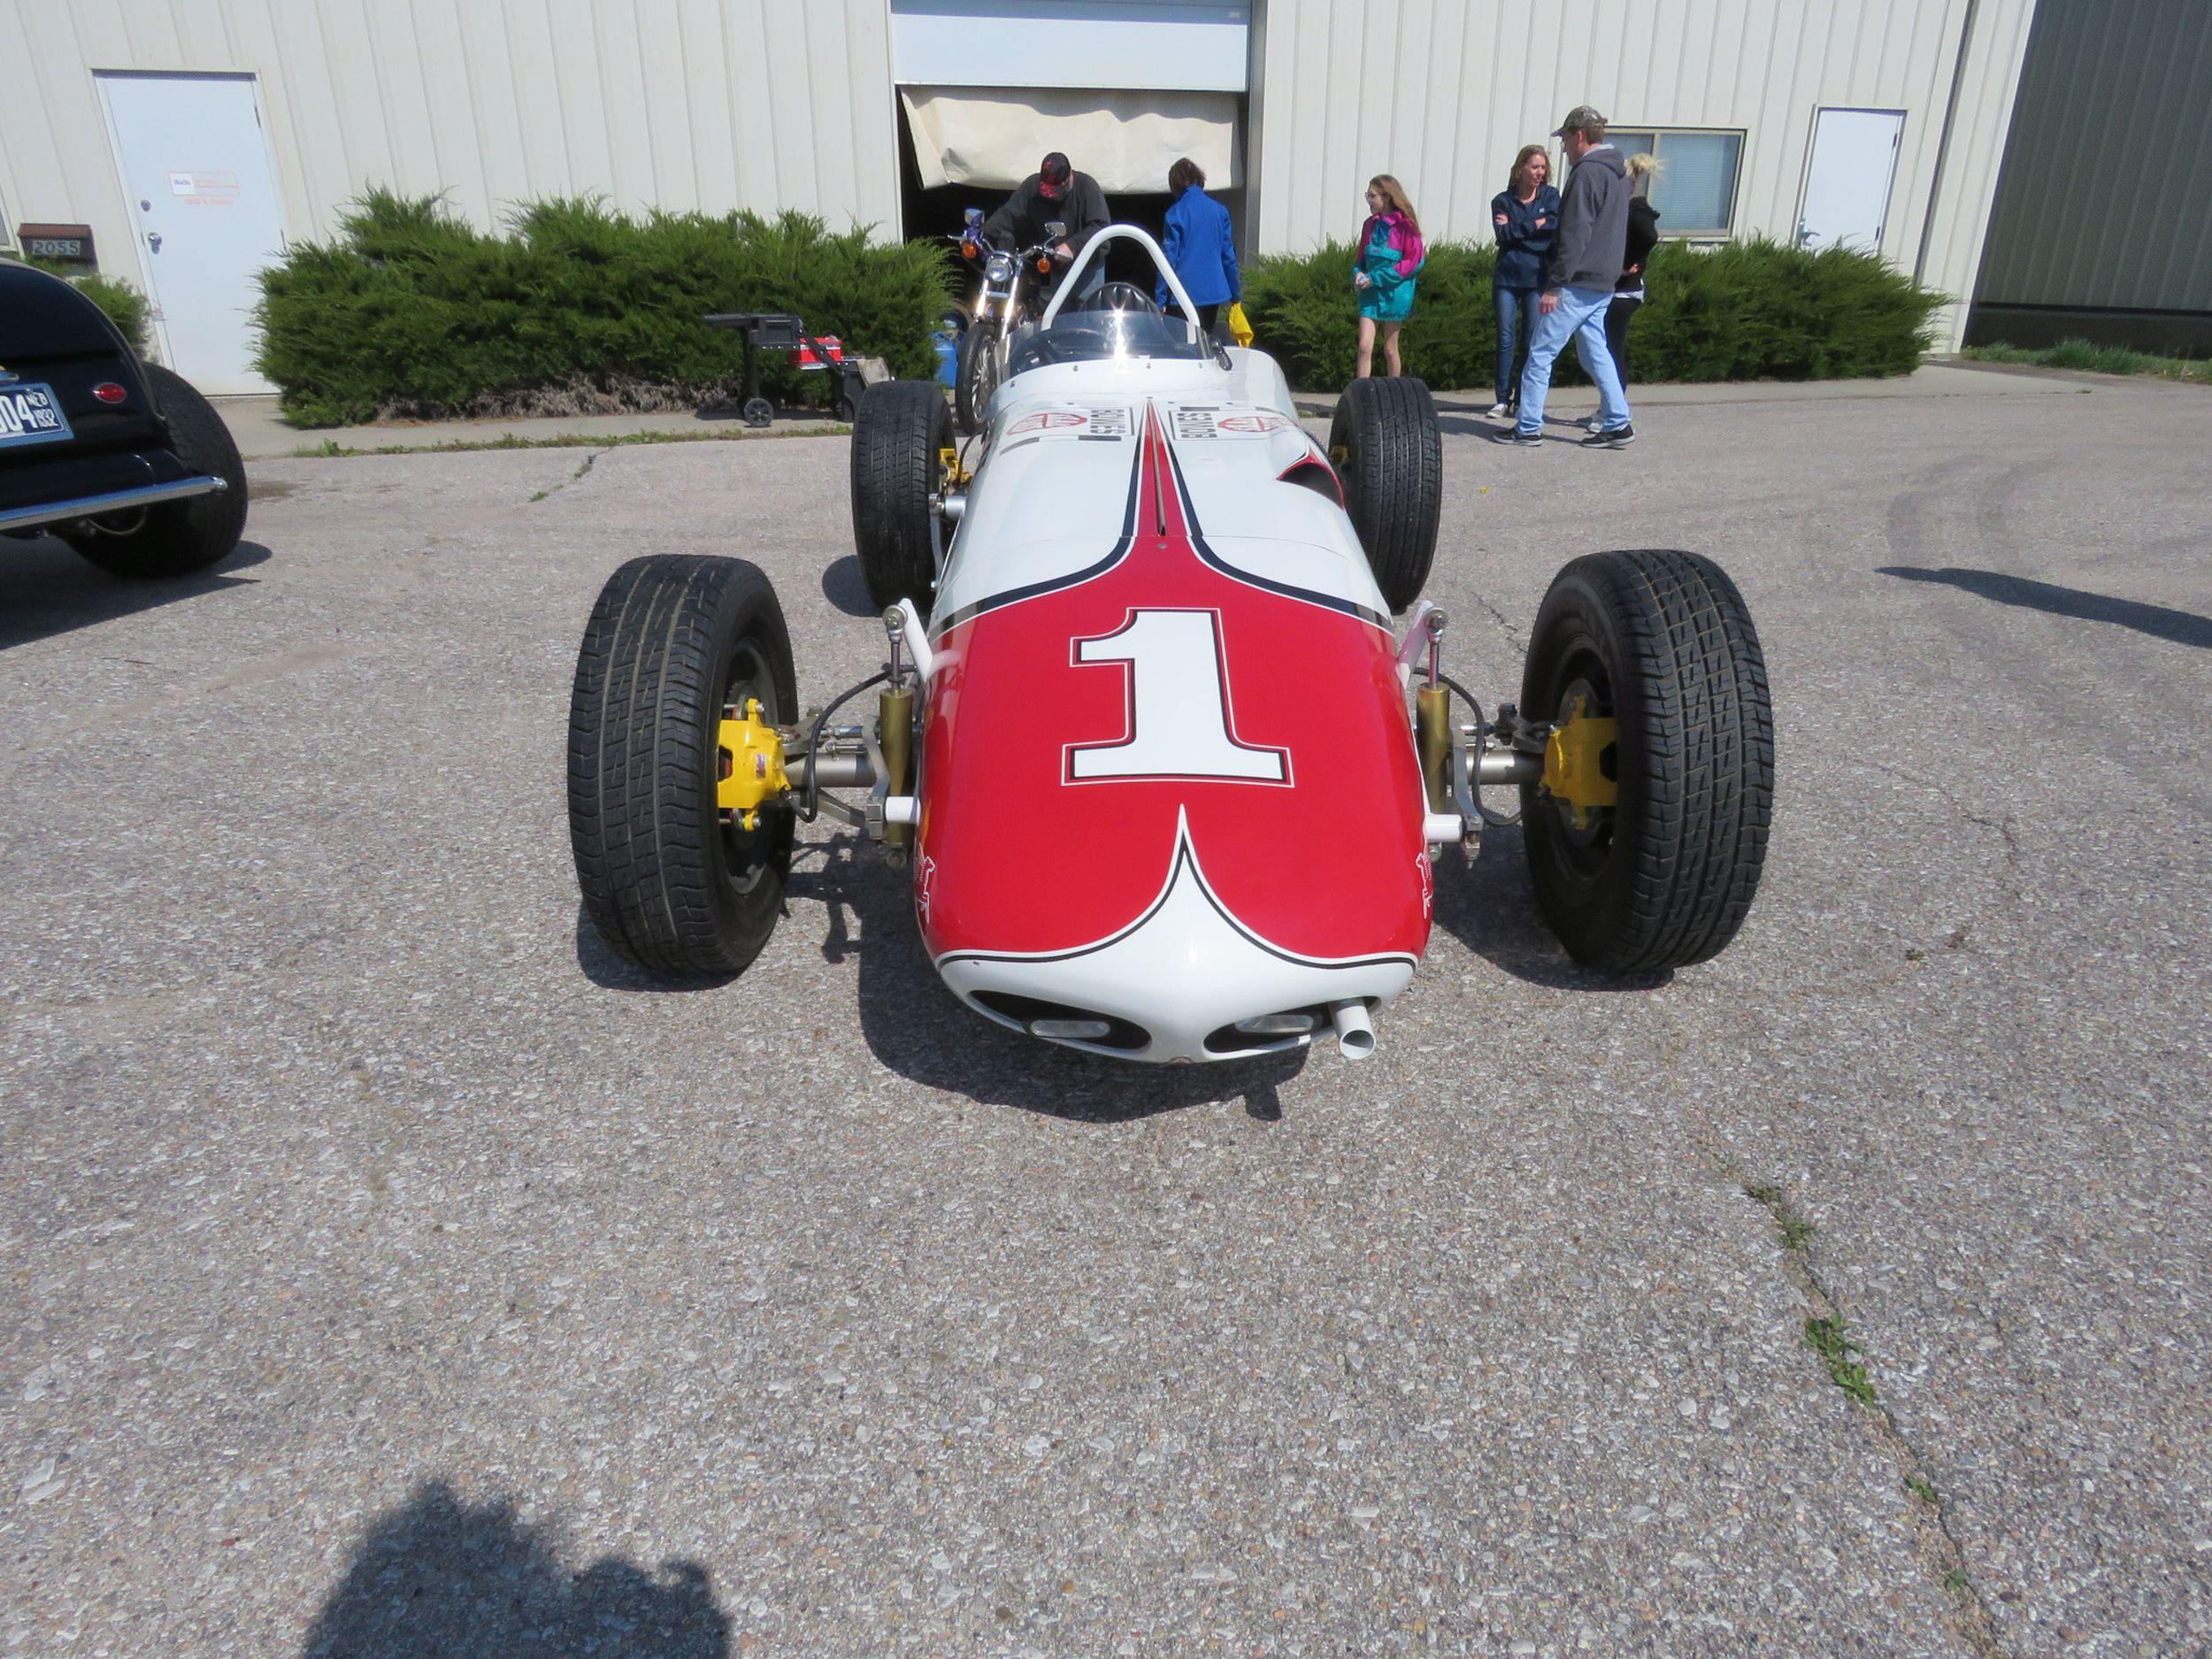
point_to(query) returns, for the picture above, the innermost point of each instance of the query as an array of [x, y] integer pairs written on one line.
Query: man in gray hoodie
[[1579, 285]]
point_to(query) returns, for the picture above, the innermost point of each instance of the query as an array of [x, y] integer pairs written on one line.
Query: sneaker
[[1595, 423], [1499, 411], [1520, 440], [1616, 438]]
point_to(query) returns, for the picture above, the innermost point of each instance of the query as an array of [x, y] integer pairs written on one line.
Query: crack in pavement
[[576, 477], [1940, 1552]]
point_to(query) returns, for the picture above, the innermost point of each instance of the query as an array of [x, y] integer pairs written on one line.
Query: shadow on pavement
[[844, 587], [440, 1578], [46, 589], [610, 972], [1489, 906], [2161, 622], [917, 1028]]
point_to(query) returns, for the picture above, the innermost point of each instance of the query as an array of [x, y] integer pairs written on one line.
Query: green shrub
[[1748, 310], [2085, 354], [412, 313], [126, 307]]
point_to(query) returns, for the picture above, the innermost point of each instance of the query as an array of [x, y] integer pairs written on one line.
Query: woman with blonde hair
[[1524, 217], [1628, 293], [1390, 256]]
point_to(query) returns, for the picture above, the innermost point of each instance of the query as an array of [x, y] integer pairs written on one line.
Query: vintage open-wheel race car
[[120, 459], [1170, 783]]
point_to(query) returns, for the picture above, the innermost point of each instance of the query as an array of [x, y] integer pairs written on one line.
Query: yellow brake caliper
[[949, 464], [1574, 762], [750, 765]]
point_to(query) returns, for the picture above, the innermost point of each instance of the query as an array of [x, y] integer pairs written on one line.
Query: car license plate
[[31, 413]]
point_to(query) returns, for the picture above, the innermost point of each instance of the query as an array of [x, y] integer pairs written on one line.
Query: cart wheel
[[673, 883], [758, 411], [1647, 838]]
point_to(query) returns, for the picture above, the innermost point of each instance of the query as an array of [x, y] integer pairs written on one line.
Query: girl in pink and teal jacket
[[1390, 256]]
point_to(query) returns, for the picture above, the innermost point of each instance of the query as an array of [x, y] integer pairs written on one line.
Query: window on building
[[1695, 189]]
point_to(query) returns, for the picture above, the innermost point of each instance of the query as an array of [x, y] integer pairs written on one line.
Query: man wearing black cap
[[1056, 191]]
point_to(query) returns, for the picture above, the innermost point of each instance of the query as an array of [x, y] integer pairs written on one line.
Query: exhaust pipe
[[1355, 1031]]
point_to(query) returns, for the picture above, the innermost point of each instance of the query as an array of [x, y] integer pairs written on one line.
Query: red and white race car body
[[1168, 781]]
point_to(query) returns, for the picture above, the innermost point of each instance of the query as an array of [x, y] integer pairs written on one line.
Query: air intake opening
[[1315, 474], [1268, 1031], [1061, 1021]]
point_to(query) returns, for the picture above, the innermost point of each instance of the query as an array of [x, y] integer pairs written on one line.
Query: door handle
[[153, 240]]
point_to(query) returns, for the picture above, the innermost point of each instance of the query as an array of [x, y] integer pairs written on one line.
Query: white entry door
[[203, 197], [1847, 177]]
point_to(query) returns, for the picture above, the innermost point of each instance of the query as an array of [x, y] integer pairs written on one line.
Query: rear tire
[[179, 537], [1390, 458], [975, 377], [669, 884], [1661, 641], [898, 440]]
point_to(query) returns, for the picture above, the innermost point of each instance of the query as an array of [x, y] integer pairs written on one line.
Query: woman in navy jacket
[[1200, 245], [1526, 217]]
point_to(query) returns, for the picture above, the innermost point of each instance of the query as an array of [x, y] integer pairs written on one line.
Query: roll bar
[[1124, 233]]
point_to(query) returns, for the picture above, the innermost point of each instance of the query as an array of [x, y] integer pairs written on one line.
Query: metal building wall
[[675, 103], [1442, 92], [2102, 208]]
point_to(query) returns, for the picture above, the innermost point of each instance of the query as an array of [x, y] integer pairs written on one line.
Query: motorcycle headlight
[[1000, 268]]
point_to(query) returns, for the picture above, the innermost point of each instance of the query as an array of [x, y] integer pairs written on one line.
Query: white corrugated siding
[[1443, 92], [2110, 88], [675, 103]]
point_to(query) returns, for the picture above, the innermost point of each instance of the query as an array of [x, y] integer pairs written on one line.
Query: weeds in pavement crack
[[1825, 1335]]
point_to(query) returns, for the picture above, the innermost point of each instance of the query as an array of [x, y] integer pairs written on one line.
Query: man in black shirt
[[1055, 192]]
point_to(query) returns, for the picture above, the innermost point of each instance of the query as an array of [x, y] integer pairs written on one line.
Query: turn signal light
[[108, 392], [1044, 266]]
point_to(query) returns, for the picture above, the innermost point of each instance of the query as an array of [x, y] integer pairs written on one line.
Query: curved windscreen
[[1102, 336]]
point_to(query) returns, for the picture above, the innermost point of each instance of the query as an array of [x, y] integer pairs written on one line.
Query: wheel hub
[[750, 767], [1574, 758]]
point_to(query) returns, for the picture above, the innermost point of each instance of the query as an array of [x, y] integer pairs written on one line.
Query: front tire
[[899, 439], [670, 883], [1661, 643], [177, 538], [975, 378], [1389, 456]]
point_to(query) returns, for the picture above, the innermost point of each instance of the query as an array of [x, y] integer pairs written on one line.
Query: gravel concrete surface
[[392, 1273]]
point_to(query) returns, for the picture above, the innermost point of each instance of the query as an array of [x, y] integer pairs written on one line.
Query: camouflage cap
[[1581, 119]]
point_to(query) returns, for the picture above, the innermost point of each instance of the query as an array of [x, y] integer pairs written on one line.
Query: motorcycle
[[1011, 279]]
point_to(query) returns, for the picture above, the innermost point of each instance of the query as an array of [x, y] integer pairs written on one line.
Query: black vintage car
[[122, 459]]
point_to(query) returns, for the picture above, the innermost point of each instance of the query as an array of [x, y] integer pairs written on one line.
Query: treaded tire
[[1390, 456], [179, 537], [975, 377], [668, 884], [901, 428], [1665, 878]]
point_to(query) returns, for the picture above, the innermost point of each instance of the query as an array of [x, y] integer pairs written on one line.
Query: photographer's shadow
[[917, 1028], [440, 1578]]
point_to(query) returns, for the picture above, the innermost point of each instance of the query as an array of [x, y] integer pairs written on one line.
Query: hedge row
[[411, 312], [1748, 310], [126, 307]]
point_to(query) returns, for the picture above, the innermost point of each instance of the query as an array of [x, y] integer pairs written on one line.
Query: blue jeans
[[1579, 316], [1516, 328]]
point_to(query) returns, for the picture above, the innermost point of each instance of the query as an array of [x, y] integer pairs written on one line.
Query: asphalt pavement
[[392, 1273]]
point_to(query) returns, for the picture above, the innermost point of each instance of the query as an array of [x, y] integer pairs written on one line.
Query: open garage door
[[1123, 86], [992, 138]]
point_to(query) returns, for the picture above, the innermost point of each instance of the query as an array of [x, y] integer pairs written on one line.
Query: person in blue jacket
[[1525, 216], [1200, 246]]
